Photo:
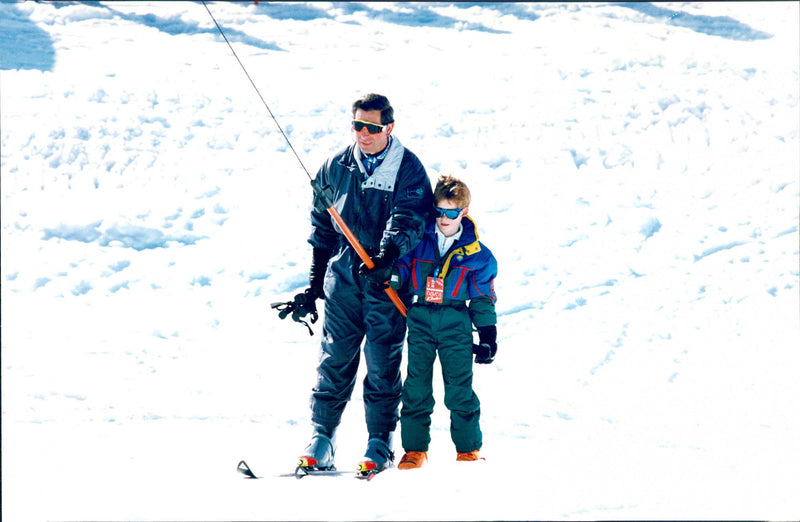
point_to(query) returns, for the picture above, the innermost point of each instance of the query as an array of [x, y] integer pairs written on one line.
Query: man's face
[[448, 226], [372, 143]]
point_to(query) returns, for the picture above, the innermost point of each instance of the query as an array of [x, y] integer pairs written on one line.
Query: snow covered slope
[[634, 168]]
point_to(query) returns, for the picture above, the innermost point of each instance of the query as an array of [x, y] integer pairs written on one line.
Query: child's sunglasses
[[372, 128], [451, 213]]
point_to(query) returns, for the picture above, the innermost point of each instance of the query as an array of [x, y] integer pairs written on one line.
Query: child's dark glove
[[487, 349]]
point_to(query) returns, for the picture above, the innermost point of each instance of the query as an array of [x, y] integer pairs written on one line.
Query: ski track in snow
[[638, 185]]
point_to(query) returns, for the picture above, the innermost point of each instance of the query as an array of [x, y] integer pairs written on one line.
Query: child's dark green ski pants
[[447, 331]]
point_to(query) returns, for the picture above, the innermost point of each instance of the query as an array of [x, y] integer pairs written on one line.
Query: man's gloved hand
[[487, 349], [303, 304], [384, 262]]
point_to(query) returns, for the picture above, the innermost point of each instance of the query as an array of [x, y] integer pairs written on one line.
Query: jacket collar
[[384, 177], [467, 245]]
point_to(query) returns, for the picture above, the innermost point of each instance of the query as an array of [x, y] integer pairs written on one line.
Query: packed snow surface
[[634, 168]]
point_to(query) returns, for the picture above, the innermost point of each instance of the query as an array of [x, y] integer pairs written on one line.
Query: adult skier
[[383, 194]]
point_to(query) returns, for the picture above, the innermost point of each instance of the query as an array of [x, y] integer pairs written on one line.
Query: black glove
[[316, 276], [487, 349], [384, 262], [305, 304], [302, 305]]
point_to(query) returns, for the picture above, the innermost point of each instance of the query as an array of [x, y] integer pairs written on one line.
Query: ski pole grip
[[351, 238]]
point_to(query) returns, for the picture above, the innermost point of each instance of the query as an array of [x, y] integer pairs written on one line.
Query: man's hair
[[451, 188], [375, 102]]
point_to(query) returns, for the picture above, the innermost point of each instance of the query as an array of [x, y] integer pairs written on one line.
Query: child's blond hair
[[448, 187]]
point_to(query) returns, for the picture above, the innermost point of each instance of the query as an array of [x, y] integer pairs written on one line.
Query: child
[[451, 278]]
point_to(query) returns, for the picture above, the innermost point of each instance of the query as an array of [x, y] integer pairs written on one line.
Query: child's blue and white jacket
[[466, 272]]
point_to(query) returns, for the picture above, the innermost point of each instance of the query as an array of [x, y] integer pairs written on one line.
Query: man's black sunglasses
[[451, 213], [372, 128]]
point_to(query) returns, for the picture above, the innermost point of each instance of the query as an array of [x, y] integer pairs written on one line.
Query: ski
[[306, 471], [363, 472]]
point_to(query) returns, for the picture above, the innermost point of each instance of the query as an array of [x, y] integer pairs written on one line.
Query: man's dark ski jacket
[[391, 205]]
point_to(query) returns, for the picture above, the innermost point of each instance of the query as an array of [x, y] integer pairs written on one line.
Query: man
[[383, 194]]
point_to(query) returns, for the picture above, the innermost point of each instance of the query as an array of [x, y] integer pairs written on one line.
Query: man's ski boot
[[378, 457], [318, 455]]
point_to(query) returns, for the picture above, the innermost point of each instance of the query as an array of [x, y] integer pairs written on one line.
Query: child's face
[[446, 225]]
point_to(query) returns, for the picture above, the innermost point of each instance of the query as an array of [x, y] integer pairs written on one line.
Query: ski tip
[[245, 470]]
